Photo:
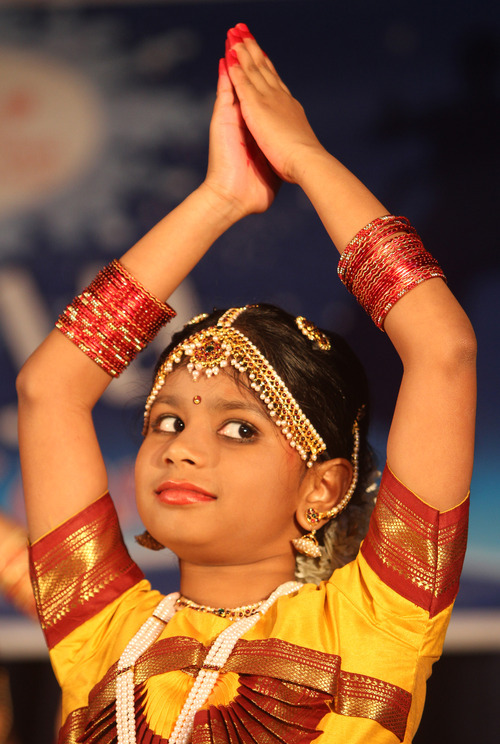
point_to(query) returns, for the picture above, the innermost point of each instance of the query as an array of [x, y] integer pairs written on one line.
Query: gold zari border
[[79, 568], [416, 550]]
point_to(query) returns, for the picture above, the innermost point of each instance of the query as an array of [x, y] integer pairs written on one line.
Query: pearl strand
[[217, 656], [204, 683], [145, 637]]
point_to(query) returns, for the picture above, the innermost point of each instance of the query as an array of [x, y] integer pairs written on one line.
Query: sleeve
[[79, 568], [413, 548]]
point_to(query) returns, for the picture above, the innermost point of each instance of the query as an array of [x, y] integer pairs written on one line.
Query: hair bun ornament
[[196, 319], [313, 333]]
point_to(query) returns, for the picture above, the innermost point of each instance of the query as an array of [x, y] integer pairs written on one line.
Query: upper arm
[[431, 440], [61, 462]]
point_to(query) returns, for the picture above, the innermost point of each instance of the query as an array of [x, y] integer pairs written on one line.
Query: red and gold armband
[[113, 319], [383, 262]]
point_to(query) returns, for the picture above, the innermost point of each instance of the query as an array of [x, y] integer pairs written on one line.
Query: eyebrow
[[219, 404]]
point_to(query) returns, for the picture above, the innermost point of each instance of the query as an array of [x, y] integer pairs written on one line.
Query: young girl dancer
[[254, 439]]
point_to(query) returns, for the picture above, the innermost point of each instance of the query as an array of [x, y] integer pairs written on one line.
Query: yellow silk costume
[[345, 661]]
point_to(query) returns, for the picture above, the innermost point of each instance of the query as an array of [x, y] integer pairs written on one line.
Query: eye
[[169, 424], [238, 430]]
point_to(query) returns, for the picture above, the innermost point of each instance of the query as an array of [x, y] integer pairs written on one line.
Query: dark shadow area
[[462, 701], [35, 701]]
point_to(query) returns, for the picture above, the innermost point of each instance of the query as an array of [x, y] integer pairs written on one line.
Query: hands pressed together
[[259, 134]]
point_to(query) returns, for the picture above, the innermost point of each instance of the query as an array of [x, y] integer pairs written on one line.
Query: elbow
[[458, 352], [36, 381], [451, 351], [465, 346], [26, 383]]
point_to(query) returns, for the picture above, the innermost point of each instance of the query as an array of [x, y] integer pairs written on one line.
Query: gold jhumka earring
[[308, 544], [146, 540]]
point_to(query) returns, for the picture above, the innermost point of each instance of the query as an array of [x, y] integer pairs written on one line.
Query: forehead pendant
[[214, 348]]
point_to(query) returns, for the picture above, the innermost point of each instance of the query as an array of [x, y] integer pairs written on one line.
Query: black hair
[[330, 387]]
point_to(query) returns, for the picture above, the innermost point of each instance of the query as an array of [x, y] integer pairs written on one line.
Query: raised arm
[[430, 446], [62, 467]]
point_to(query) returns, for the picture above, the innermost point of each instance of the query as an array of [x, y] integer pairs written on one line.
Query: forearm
[[159, 261], [345, 206], [341, 201], [168, 252]]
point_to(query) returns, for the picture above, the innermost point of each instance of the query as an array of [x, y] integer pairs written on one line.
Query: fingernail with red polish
[[242, 29], [231, 58], [222, 67], [234, 37]]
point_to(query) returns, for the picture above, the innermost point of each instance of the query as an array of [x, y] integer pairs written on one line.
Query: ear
[[325, 485]]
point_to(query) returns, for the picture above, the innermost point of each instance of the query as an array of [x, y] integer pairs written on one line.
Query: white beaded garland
[[145, 636], [204, 683]]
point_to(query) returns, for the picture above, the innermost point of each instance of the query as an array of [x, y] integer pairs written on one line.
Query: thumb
[[224, 84]]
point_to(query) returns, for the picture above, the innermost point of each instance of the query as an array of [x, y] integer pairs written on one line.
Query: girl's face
[[216, 481]]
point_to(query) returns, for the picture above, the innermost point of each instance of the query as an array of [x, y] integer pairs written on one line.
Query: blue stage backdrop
[[104, 111]]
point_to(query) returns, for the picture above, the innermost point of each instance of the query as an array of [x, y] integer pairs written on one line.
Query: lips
[[181, 493]]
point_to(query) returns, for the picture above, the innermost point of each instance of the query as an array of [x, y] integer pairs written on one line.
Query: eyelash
[[253, 431], [156, 424]]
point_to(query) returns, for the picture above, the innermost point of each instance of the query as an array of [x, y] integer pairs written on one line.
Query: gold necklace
[[235, 613]]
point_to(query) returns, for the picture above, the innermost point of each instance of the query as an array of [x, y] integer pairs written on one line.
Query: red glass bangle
[[383, 262], [113, 319]]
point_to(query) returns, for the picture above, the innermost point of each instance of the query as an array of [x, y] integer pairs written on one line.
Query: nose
[[188, 446]]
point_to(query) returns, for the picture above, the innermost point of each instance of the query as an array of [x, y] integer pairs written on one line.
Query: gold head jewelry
[[197, 319], [313, 333], [308, 544], [220, 346]]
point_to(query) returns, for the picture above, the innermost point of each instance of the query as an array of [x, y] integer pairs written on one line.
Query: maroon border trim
[[415, 549], [79, 568]]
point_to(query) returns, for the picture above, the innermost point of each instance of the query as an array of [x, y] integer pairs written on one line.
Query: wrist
[[223, 208], [306, 160]]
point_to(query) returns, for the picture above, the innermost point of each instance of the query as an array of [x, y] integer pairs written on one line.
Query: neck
[[233, 586]]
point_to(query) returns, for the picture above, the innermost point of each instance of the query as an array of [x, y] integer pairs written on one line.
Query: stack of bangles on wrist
[[113, 319], [384, 261]]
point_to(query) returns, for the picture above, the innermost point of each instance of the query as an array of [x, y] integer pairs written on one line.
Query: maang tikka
[[308, 544]]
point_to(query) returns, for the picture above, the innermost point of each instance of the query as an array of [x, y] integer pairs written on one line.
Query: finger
[[224, 84], [227, 99], [243, 71], [240, 34], [239, 52]]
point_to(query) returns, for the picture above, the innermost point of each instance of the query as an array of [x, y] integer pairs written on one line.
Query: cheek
[[142, 468], [293, 465]]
